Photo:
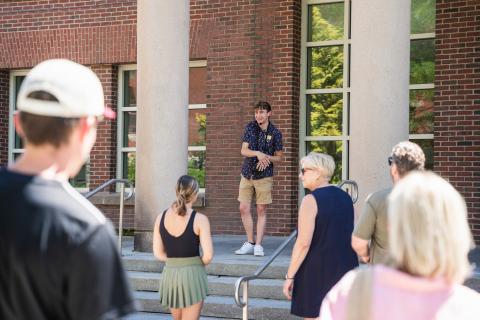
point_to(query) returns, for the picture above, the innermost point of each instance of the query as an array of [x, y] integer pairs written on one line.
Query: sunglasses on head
[[390, 160]]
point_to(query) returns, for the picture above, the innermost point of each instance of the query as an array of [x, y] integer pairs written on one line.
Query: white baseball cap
[[76, 88]]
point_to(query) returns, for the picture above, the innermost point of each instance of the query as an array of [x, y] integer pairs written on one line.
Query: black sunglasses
[[302, 170], [390, 160]]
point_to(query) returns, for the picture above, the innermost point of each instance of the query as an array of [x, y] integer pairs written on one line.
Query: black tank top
[[184, 246]]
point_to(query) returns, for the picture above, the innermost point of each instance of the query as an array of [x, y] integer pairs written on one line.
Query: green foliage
[[422, 16], [326, 67], [131, 168], [422, 61], [325, 115], [326, 22], [421, 111], [201, 119], [196, 167], [80, 180]]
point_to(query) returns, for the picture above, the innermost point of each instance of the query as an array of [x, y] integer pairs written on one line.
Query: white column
[[162, 116], [379, 88]]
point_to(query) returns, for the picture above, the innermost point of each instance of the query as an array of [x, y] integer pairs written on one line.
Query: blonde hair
[[319, 161], [186, 191], [429, 233]]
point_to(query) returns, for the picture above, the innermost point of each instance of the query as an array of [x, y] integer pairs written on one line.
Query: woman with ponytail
[[177, 235]]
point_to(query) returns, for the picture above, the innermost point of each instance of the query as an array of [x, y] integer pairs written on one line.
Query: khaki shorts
[[262, 188]]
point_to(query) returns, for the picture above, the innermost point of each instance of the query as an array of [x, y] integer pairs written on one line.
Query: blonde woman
[[429, 243], [178, 232], [322, 253]]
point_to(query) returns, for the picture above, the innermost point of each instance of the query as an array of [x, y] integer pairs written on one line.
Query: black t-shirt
[[58, 256]]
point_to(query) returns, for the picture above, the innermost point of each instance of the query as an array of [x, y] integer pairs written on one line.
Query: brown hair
[[408, 156], [40, 130], [263, 105], [186, 191]]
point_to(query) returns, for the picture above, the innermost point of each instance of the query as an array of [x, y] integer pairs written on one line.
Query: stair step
[[217, 285], [221, 266], [162, 316], [474, 281], [225, 307]]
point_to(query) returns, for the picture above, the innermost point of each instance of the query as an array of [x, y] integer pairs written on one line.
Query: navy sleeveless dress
[[330, 255]]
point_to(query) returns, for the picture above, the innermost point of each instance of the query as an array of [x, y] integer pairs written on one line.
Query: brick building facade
[[252, 51], [457, 101]]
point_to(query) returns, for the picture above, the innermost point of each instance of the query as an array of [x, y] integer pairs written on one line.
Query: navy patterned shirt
[[267, 141]]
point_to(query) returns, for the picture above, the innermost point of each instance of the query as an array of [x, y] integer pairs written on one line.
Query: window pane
[[325, 67], [427, 147], [18, 143], [196, 166], [324, 114], [421, 111], [130, 88], [423, 16], [333, 148], [325, 22], [128, 166], [197, 85], [129, 129], [197, 125], [422, 61], [81, 179]]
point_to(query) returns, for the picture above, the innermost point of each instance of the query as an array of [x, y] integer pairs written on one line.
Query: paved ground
[[225, 245]]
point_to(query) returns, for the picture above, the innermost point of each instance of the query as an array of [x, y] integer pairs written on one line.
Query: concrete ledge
[[113, 198]]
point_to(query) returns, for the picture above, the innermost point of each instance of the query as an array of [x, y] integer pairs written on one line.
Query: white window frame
[[11, 110], [344, 90], [121, 110], [197, 64], [423, 86]]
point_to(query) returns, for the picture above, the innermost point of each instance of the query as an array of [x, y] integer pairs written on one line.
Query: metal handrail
[[348, 186], [123, 198]]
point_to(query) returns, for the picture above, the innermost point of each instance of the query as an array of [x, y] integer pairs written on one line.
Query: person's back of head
[[57, 99], [186, 191], [429, 233], [54, 96], [407, 156]]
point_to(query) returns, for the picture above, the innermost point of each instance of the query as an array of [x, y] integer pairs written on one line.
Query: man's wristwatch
[[287, 277]]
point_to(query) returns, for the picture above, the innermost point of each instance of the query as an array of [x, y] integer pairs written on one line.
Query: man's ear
[[394, 172], [18, 125], [85, 126]]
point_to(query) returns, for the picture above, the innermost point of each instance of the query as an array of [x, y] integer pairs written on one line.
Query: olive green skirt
[[183, 282]]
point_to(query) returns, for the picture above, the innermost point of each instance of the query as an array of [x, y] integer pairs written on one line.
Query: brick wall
[[88, 32], [253, 53], [252, 50], [103, 156], [4, 108], [457, 101], [99, 34]]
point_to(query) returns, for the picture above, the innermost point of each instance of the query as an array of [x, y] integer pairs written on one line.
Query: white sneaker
[[247, 248], [258, 251]]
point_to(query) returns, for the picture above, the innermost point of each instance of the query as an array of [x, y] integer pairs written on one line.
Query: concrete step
[[225, 307], [474, 281], [162, 316], [217, 285], [221, 266]]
